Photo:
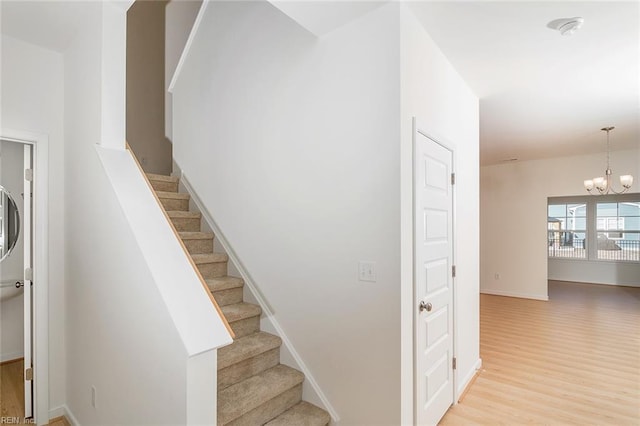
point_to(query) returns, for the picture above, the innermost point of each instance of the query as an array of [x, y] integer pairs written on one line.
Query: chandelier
[[603, 184]]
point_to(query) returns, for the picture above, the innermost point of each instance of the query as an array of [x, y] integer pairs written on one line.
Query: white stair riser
[[247, 368]]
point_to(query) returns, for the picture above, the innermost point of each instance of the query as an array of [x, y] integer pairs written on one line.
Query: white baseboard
[[544, 297], [63, 410], [467, 379], [11, 356], [57, 412], [593, 281], [268, 322]]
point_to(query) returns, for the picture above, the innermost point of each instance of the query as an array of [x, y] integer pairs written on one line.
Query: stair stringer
[[311, 390]]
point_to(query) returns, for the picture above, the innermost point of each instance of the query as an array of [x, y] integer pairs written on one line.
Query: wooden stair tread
[[196, 235], [183, 214], [240, 311], [302, 414], [209, 258], [224, 283], [173, 195], [163, 178], [247, 347], [242, 397]]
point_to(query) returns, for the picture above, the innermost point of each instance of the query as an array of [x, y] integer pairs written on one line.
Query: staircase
[[253, 387]]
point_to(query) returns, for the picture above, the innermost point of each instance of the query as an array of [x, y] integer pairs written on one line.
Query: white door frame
[[27, 262], [40, 219], [419, 129]]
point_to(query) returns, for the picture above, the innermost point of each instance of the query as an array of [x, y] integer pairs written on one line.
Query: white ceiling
[[321, 17], [541, 94], [51, 24]]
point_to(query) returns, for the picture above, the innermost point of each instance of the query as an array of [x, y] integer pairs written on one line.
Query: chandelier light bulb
[[599, 182], [603, 184], [626, 181], [588, 184]]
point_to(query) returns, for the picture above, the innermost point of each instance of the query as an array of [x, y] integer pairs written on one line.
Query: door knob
[[426, 306]]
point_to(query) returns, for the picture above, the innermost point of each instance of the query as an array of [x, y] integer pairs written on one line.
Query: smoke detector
[[566, 26]]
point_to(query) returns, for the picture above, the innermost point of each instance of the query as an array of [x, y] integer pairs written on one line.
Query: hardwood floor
[[11, 389], [12, 396], [572, 360]]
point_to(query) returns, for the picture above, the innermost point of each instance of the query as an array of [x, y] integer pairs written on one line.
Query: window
[[605, 228], [567, 230], [607, 223], [621, 221]]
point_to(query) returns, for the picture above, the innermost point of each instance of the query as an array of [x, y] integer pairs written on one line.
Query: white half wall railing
[[197, 322]]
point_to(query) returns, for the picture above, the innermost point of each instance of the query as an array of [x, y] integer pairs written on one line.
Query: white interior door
[[433, 239], [26, 229]]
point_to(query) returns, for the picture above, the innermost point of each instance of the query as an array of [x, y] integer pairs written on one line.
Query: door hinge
[[28, 274], [454, 363], [453, 271], [28, 374], [28, 175], [453, 178]]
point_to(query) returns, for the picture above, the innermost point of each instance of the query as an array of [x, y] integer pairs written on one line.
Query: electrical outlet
[[496, 276], [93, 396], [367, 271]]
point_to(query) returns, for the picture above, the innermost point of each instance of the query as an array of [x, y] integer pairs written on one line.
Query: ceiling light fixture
[[571, 26], [566, 26], [603, 184]]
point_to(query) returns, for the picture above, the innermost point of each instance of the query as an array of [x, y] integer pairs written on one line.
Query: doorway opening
[[16, 277]]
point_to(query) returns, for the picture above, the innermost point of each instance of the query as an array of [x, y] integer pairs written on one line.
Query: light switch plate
[[367, 271]]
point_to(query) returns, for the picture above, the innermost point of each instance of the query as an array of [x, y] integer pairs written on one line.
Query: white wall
[[145, 95], [120, 337], [514, 218], [32, 101], [293, 147], [321, 17], [595, 272], [179, 19], [445, 107], [11, 332]]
